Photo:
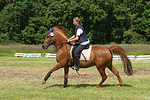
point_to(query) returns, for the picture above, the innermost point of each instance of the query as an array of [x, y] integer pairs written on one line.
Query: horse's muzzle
[[44, 46]]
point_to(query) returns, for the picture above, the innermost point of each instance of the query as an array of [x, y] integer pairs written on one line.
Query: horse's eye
[[48, 36]]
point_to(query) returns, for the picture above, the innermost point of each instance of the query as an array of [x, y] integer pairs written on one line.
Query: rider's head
[[76, 21]]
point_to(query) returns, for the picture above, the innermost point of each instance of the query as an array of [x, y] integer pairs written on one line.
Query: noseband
[[49, 41]]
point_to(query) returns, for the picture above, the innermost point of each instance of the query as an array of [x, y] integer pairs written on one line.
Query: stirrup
[[74, 68], [77, 69]]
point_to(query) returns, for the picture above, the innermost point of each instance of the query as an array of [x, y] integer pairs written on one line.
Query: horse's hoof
[[97, 86], [43, 82], [120, 85], [62, 87]]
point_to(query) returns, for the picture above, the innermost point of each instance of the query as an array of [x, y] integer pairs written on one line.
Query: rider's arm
[[73, 38], [79, 31]]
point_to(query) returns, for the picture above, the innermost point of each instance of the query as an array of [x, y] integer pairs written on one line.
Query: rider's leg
[[72, 57], [76, 63], [77, 51]]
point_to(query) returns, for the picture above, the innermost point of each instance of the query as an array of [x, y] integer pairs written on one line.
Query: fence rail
[[27, 55], [50, 55], [118, 57], [143, 57]]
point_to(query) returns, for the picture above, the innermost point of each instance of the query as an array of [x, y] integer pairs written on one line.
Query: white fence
[[50, 55], [143, 57], [28, 55], [133, 57], [118, 57], [37, 55], [19, 55]]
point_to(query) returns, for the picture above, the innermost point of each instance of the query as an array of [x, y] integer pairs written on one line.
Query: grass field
[[9, 50], [20, 79]]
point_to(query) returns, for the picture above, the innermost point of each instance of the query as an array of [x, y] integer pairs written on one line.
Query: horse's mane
[[63, 30]]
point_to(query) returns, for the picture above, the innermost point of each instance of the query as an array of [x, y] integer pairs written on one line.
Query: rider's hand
[[68, 40]]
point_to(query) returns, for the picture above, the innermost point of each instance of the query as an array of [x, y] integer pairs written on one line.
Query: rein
[[61, 44], [51, 32]]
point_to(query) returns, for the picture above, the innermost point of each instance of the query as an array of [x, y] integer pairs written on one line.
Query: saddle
[[84, 55]]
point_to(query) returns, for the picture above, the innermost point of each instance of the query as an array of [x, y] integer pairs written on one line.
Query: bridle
[[55, 45], [48, 43], [61, 44]]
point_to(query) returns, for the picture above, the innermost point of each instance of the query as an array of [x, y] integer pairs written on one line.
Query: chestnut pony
[[101, 57]]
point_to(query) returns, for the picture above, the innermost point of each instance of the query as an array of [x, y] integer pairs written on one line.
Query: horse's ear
[[50, 31]]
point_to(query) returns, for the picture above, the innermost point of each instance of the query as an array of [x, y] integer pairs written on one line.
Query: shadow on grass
[[87, 85]]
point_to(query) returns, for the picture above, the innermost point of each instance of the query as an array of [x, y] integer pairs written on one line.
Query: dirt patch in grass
[[138, 72], [26, 74]]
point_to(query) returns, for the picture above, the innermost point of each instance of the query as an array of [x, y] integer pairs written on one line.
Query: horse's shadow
[[87, 85]]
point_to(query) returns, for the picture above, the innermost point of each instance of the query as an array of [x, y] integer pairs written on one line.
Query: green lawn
[[20, 79], [9, 50]]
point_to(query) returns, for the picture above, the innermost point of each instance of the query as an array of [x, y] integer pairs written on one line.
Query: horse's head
[[49, 39]]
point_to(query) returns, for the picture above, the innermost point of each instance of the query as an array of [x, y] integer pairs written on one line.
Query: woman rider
[[81, 41]]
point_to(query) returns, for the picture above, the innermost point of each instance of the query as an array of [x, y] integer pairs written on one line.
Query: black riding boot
[[76, 63], [72, 62]]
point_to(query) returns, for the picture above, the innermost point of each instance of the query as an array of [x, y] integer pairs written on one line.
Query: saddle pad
[[85, 52]]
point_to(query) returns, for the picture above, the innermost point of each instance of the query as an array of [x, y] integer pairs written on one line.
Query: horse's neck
[[59, 39]]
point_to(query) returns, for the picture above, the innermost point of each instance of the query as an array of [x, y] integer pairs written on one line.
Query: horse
[[101, 57]]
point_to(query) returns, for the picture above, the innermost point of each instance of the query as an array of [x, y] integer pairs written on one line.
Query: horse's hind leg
[[103, 74], [112, 69]]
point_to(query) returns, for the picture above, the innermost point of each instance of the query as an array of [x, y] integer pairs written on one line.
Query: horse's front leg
[[58, 66], [66, 71]]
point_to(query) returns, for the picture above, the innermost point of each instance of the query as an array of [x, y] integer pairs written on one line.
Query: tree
[[16, 18], [105, 21], [142, 20]]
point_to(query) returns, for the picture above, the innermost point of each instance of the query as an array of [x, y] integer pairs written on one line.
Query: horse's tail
[[126, 62]]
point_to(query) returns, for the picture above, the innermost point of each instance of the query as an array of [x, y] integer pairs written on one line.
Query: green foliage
[[105, 21]]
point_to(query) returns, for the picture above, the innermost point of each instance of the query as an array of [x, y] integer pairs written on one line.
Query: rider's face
[[75, 22]]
